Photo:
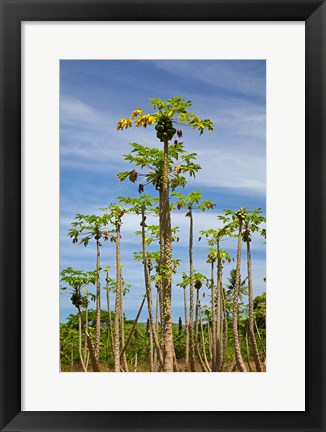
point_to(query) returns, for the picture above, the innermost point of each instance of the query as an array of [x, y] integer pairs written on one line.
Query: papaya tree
[[151, 235], [191, 202], [85, 228], [198, 280], [234, 222], [143, 206], [167, 114], [109, 282], [76, 281], [114, 217], [183, 284], [252, 222], [214, 238]]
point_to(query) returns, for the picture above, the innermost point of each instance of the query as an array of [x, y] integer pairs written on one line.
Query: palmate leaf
[[123, 175]]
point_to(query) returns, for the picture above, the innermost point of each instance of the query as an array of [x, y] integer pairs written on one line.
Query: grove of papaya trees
[[196, 311]]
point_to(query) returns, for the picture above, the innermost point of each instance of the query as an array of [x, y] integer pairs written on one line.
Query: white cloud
[[242, 78]]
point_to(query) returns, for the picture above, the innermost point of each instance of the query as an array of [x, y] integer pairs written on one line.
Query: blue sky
[[94, 95]]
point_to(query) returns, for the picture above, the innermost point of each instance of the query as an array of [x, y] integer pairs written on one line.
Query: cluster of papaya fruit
[[240, 214], [165, 129]]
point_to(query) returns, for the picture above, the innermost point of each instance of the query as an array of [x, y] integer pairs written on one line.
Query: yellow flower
[[136, 112]]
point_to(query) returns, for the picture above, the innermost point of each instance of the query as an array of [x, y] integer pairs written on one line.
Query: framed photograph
[[134, 129]]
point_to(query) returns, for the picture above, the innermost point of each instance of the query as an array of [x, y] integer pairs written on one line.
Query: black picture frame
[[13, 13]]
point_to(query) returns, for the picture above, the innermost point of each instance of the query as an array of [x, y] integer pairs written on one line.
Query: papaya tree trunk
[[248, 355], [123, 358], [186, 328], [166, 261], [117, 304], [219, 343], [72, 356], [133, 326], [91, 349], [209, 341], [200, 359], [225, 324], [192, 341], [98, 301], [149, 294], [236, 341], [251, 312], [108, 302], [214, 350], [81, 357], [86, 331], [203, 341]]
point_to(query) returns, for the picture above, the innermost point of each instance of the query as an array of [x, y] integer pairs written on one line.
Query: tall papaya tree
[[108, 289], [85, 228], [252, 222], [151, 235], [218, 254], [76, 281], [198, 280], [183, 284], [234, 222], [114, 216], [153, 159], [191, 202], [167, 114], [144, 205]]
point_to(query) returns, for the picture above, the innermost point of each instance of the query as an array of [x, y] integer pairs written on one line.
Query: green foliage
[[87, 227], [260, 310], [250, 219], [144, 203], [199, 280], [153, 158], [76, 280], [169, 111]]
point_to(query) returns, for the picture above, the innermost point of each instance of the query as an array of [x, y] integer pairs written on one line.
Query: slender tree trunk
[[123, 358], [160, 297], [209, 341], [157, 305], [219, 343], [214, 350], [133, 326], [81, 357], [261, 342], [136, 362], [108, 302], [226, 324], [86, 331], [166, 261], [149, 294], [233, 365], [118, 293], [251, 312], [91, 349], [236, 342], [248, 356], [175, 362], [192, 341], [200, 359], [151, 351], [72, 355], [203, 342], [98, 301], [186, 328], [87, 359]]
